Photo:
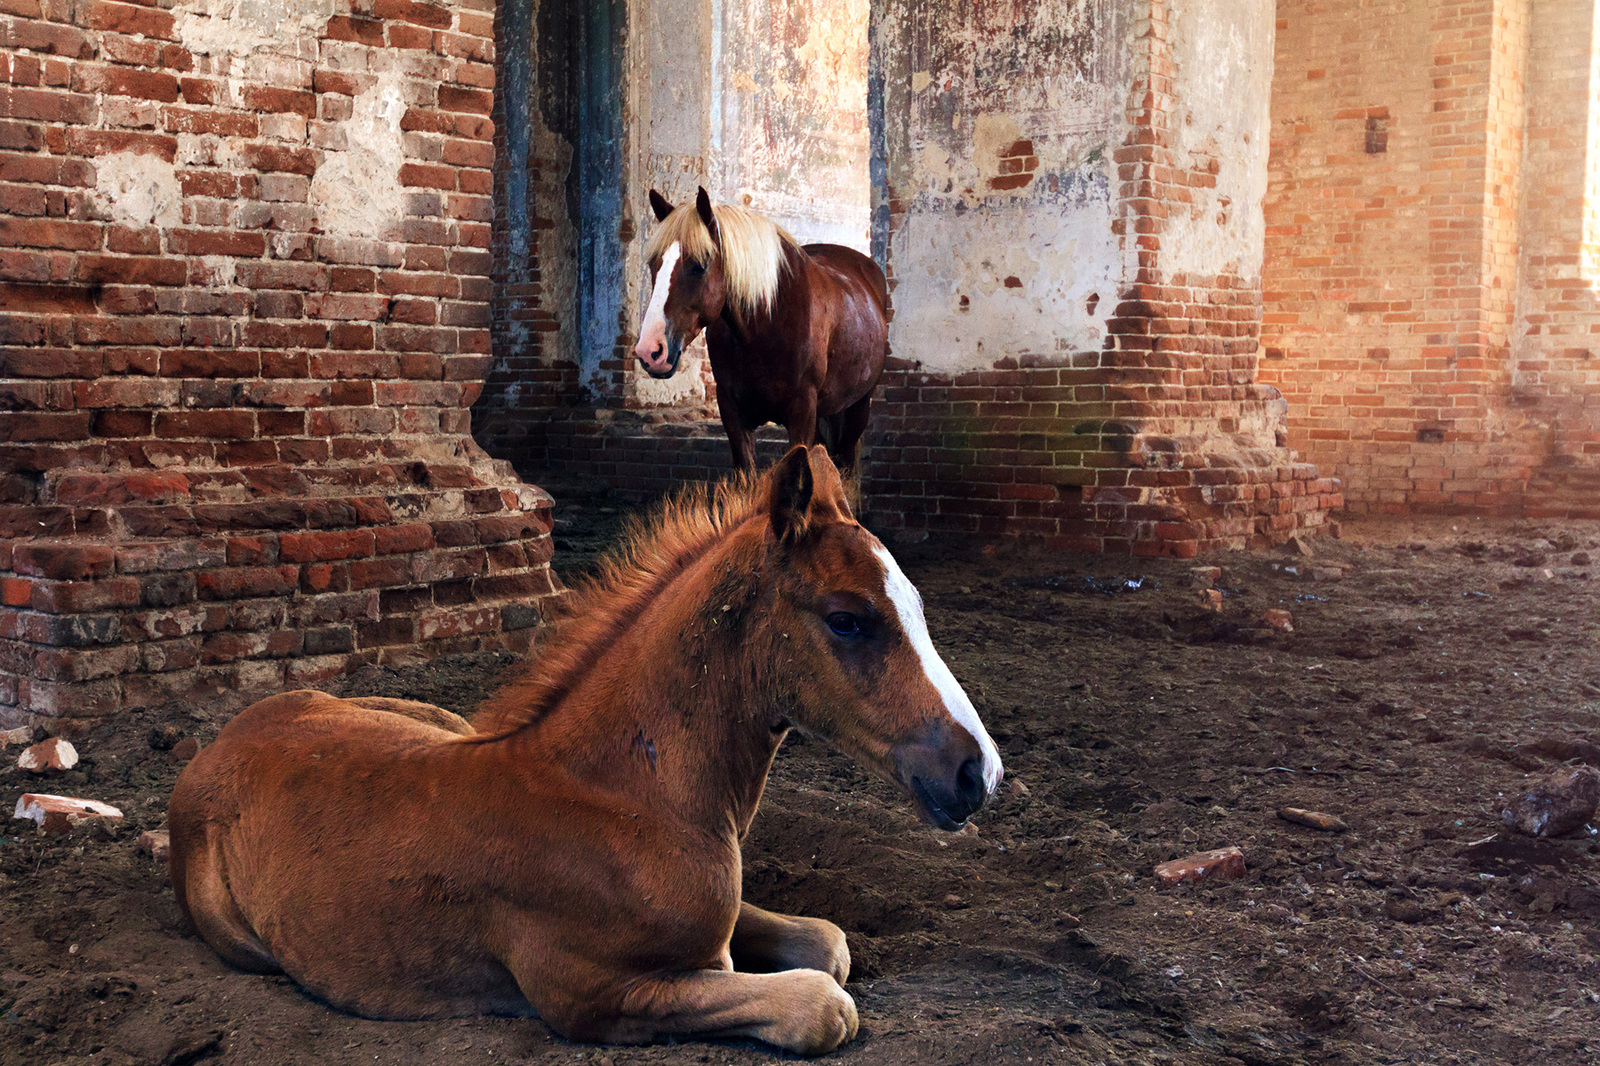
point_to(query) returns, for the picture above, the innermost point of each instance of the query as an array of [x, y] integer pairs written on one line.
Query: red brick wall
[[233, 418], [1424, 292], [1162, 442], [1556, 374]]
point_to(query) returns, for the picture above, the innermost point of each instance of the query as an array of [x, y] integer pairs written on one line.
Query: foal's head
[[863, 671], [704, 262]]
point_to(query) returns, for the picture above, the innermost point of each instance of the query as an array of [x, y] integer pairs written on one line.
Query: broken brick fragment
[[59, 814], [48, 756], [1223, 864]]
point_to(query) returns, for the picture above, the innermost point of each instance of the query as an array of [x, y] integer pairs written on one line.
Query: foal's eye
[[844, 624], [696, 269]]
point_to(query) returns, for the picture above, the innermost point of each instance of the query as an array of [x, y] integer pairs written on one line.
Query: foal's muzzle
[[943, 772]]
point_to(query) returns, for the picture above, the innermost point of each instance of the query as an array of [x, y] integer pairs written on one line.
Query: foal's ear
[[792, 485], [702, 205], [659, 205]]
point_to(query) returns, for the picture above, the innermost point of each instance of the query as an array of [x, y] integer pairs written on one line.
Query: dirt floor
[[1417, 692]]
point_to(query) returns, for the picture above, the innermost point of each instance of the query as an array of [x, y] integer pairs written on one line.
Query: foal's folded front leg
[[764, 942], [803, 1011]]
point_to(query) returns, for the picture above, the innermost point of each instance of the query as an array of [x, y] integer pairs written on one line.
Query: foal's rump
[[287, 829]]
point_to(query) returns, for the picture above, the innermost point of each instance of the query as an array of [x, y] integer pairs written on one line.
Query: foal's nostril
[[969, 783]]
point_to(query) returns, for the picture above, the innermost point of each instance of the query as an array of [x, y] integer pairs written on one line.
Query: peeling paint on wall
[[672, 68], [240, 27], [996, 280], [791, 107], [1006, 246], [552, 138], [357, 191], [140, 190], [1224, 80]]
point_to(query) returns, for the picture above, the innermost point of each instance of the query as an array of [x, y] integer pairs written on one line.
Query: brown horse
[[574, 852], [796, 335]]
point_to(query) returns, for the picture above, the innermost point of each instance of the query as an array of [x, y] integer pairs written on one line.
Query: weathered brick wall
[[1424, 282], [1158, 440], [246, 264], [1101, 394], [1556, 371]]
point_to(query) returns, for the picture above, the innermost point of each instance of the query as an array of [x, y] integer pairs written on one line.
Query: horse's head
[[689, 288], [862, 672]]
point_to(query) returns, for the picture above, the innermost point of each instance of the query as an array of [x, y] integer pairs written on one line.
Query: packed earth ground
[[1434, 668]]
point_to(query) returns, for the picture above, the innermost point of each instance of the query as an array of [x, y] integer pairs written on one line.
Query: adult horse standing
[[574, 851], [797, 335]]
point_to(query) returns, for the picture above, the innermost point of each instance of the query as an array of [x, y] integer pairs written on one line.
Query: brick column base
[[226, 586]]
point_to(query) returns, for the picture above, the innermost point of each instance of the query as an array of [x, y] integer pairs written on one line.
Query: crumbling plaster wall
[[789, 117], [1000, 140], [1223, 80], [1004, 141], [1069, 208]]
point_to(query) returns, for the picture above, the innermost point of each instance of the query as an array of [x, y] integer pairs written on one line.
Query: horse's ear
[[792, 485], [659, 205], [702, 205]]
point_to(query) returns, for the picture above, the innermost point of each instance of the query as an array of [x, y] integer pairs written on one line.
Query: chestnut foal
[[574, 852]]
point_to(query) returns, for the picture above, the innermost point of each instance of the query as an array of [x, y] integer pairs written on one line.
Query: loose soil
[[1416, 693]]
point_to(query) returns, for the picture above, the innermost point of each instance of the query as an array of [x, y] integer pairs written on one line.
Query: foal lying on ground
[[575, 850]]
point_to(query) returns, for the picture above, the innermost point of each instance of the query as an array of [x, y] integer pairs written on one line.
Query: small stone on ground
[[1556, 805]]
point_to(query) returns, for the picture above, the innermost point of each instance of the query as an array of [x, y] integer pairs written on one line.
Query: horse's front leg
[[801, 420], [803, 1011], [764, 942], [741, 439]]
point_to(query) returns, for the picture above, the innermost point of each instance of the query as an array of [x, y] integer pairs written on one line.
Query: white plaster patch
[[1224, 78], [141, 190], [357, 192], [1026, 276], [908, 605], [240, 27]]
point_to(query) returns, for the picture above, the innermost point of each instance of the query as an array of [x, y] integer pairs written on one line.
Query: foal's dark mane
[[653, 552]]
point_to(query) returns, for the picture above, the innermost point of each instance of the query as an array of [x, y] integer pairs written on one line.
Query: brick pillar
[[1392, 271], [1075, 276], [246, 295]]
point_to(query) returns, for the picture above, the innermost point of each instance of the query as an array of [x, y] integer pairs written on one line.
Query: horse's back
[[847, 263]]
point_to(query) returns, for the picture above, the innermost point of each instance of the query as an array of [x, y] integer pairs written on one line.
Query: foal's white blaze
[[653, 332], [908, 605]]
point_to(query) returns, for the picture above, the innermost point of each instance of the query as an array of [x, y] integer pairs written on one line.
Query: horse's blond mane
[[753, 249], [653, 552]]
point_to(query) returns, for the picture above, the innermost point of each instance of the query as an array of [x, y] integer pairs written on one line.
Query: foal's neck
[[678, 712]]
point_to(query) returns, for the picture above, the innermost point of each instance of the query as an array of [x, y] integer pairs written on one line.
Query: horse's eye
[[696, 269], [844, 624]]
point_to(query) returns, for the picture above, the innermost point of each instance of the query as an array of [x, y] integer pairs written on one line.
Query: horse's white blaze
[[653, 331], [908, 605]]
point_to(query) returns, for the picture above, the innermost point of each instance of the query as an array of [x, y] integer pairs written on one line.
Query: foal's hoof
[[822, 1017], [837, 951]]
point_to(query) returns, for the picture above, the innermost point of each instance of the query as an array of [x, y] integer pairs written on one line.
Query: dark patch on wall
[[596, 192]]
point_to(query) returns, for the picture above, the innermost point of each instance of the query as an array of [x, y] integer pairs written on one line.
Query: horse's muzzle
[[944, 775], [662, 361]]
